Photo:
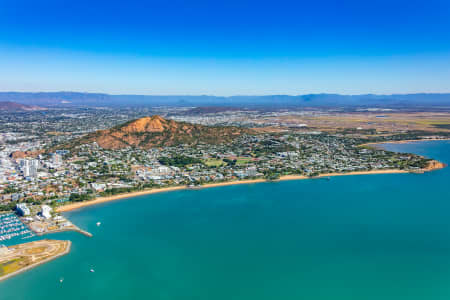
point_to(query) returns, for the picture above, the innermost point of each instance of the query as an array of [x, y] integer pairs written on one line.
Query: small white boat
[[91, 270], [61, 280], [99, 223]]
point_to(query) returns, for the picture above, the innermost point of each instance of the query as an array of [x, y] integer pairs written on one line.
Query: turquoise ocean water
[[352, 237]]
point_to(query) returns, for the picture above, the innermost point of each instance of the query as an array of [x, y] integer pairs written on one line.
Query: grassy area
[[212, 162], [240, 161], [431, 121], [12, 266]]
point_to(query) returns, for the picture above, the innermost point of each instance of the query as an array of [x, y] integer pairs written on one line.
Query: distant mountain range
[[311, 100], [156, 131], [13, 106]]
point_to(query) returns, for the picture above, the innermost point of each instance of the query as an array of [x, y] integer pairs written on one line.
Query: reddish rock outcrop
[[21, 154], [156, 131]]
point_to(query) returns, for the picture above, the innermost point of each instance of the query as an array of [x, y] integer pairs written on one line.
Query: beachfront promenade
[[433, 165]]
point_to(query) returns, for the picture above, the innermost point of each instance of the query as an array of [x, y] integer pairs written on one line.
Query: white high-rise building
[[25, 167], [35, 163], [23, 209], [29, 167], [45, 212], [26, 171], [56, 159]]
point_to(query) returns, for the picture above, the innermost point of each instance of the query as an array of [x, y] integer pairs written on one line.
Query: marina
[[349, 238], [11, 227]]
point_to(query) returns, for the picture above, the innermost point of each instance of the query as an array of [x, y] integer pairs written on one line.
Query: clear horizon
[[224, 96], [225, 49]]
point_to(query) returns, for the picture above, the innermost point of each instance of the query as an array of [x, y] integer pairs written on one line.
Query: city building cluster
[[36, 175]]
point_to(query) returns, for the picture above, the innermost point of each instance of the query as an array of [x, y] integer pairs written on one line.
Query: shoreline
[[27, 268], [433, 165], [73, 206], [404, 142]]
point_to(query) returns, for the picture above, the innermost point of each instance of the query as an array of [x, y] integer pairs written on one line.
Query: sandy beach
[[73, 206], [99, 200]]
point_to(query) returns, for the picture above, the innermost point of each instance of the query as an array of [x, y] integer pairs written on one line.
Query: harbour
[[351, 237], [12, 227]]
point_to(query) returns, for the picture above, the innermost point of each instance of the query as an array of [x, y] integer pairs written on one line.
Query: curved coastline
[[403, 142], [73, 206]]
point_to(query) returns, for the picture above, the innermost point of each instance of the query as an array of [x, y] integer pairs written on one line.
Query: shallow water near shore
[[352, 237]]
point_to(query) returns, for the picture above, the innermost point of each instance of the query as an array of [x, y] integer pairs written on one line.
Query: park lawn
[[243, 161], [212, 162]]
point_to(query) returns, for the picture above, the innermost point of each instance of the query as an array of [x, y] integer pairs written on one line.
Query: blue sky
[[225, 47]]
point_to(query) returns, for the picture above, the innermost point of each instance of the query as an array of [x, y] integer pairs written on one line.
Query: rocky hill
[[156, 131]]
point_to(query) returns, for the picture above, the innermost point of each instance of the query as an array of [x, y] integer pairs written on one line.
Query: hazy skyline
[[237, 47]]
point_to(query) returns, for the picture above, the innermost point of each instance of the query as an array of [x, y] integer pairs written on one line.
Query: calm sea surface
[[353, 237]]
